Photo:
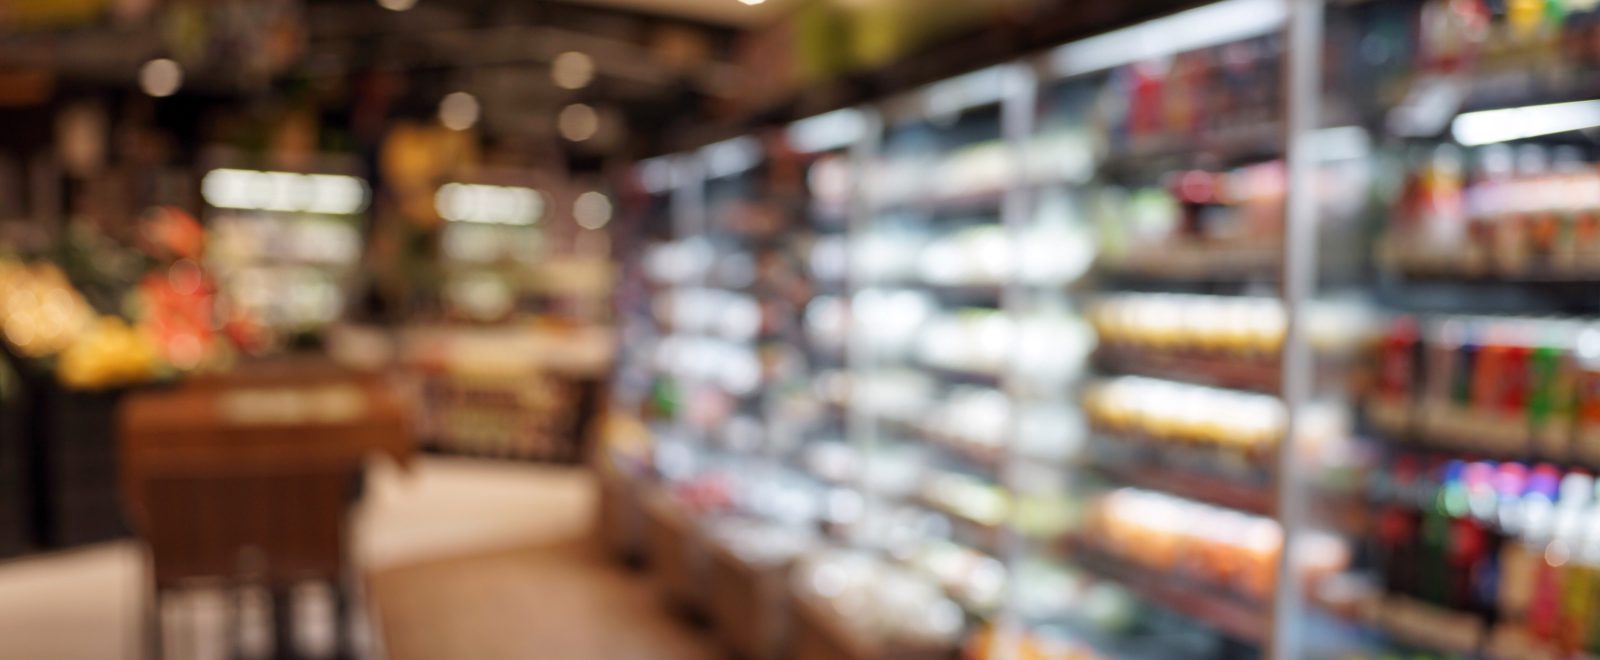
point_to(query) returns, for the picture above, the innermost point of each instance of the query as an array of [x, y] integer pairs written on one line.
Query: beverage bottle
[[1586, 422], [1584, 190], [1487, 200], [1580, 608], [1563, 188], [1463, 372], [1397, 371], [1491, 369], [1400, 377], [1510, 481], [1530, 206], [1590, 556], [1437, 530], [1551, 389], [1472, 507], [1398, 526], [1439, 409], [1545, 610], [1520, 558]]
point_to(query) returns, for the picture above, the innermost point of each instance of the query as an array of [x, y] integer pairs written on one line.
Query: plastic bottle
[[1519, 560], [1549, 592]]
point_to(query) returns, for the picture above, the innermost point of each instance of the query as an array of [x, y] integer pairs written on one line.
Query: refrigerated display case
[[284, 246], [1258, 329], [1472, 433]]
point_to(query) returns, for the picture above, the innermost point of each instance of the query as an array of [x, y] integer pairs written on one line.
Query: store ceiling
[[722, 12]]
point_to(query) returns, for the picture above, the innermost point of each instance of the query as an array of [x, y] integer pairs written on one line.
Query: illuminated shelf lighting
[[331, 194], [497, 205]]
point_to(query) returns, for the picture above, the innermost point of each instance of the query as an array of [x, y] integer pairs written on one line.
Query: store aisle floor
[[464, 558]]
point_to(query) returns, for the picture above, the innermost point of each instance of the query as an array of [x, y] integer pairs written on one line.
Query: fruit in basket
[[40, 312], [108, 354]]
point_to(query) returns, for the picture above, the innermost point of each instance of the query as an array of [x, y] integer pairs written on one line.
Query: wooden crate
[[676, 553], [749, 604]]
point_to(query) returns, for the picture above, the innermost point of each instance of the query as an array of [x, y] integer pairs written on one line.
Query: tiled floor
[[466, 559]]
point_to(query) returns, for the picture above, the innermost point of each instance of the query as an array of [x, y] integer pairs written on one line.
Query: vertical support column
[[861, 431], [688, 221], [1017, 110], [1302, 79]]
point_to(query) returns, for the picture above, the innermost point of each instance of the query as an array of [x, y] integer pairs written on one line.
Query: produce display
[[42, 316], [41, 311]]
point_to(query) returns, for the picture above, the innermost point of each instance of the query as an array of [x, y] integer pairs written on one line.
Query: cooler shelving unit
[[1186, 441]]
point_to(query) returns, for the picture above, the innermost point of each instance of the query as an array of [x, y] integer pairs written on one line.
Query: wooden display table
[[677, 553], [820, 635], [247, 477], [748, 604], [621, 518], [515, 392]]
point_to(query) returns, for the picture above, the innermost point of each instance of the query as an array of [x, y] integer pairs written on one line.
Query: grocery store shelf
[[970, 201], [1191, 266], [1465, 276], [1254, 373], [961, 376], [1233, 615], [818, 620], [985, 537], [1255, 142], [1212, 489], [990, 458]]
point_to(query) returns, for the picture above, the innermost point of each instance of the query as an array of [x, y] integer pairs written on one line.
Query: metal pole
[[861, 430], [1017, 110], [1302, 80]]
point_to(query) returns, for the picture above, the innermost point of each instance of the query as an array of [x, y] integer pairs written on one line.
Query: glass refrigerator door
[[1161, 147], [1475, 244], [929, 269]]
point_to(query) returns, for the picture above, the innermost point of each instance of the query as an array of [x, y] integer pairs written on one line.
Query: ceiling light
[[752, 2], [578, 122], [592, 210], [1201, 27], [572, 70], [397, 5], [161, 77], [458, 111]]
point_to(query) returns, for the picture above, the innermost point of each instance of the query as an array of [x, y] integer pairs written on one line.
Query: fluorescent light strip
[[1489, 126], [1201, 27], [826, 131], [731, 157], [496, 205], [289, 192], [965, 91]]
